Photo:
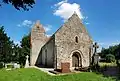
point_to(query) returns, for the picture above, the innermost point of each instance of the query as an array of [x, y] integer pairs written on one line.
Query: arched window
[[76, 39]]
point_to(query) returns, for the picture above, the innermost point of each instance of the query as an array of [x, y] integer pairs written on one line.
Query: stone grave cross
[[95, 47], [95, 55], [27, 62]]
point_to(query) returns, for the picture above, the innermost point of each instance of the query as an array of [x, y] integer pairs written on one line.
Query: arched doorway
[[76, 59]]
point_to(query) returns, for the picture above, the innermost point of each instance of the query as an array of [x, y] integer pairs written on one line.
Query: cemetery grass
[[32, 74]]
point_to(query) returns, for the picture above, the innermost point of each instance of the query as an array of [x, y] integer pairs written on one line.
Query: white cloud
[[26, 23], [64, 9], [87, 23], [47, 27], [107, 44], [60, 3], [19, 25]]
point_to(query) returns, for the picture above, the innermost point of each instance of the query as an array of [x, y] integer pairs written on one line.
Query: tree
[[6, 47], [16, 53], [20, 4], [114, 50], [25, 48], [110, 58]]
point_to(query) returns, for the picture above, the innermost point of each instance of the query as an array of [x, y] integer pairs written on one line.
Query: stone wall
[[66, 45], [48, 53], [38, 39]]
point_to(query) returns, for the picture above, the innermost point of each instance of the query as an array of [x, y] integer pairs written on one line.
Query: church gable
[[72, 37], [73, 27]]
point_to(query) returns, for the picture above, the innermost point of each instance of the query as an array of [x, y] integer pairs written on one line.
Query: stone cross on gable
[[95, 47]]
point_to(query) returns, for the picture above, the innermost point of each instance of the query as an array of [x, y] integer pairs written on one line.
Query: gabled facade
[[71, 43]]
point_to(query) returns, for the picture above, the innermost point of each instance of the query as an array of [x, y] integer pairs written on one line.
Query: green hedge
[[110, 58]]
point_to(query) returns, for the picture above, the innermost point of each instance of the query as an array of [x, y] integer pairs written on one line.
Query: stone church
[[71, 44]]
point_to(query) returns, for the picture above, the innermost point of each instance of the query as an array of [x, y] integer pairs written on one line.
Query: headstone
[[8, 66], [16, 65], [65, 67], [27, 62]]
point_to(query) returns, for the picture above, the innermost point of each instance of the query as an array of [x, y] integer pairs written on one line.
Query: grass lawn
[[32, 74]]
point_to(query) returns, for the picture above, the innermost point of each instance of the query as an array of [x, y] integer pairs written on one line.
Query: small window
[[76, 39], [37, 26]]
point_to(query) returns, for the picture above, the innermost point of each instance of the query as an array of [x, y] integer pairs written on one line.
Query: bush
[[110, 58], [1, 65]]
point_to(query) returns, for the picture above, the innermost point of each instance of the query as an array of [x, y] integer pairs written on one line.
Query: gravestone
[[65, 67], [9, 66], [27, 62], [16, 65]]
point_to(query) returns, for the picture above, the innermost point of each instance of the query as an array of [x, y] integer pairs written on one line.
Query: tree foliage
[[25, 48], [114, 50], [9, 52], [110, 58], [20, 4], [6, 46], [16, 53]]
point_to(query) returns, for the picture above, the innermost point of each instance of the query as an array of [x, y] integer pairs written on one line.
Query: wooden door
[[75, 60]]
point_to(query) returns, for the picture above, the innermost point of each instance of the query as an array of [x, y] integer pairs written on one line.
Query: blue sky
[[101, 18]]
